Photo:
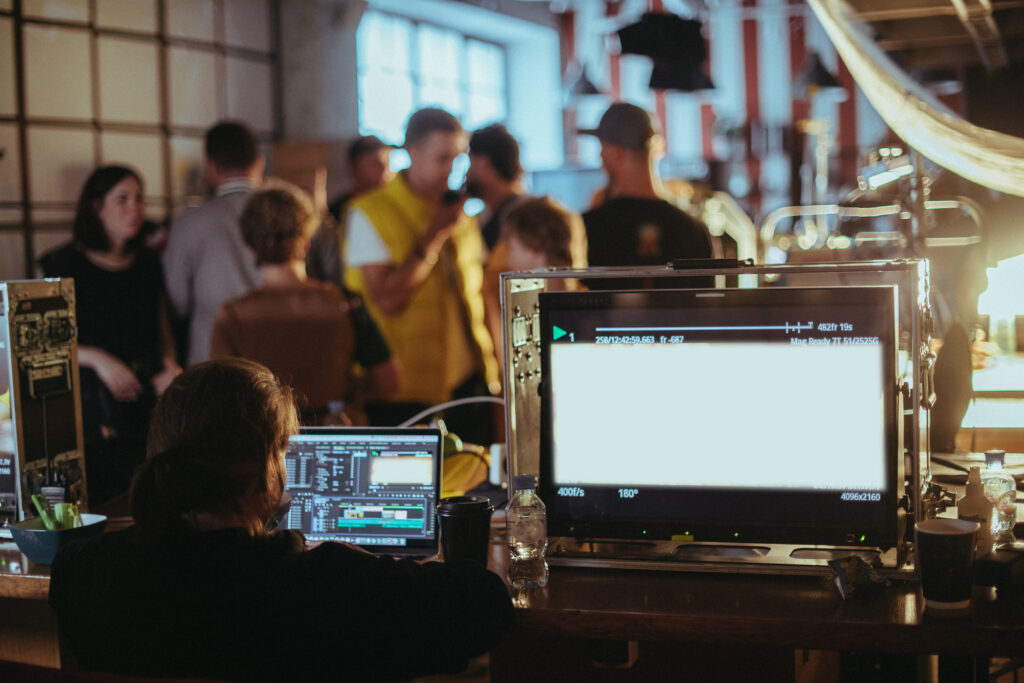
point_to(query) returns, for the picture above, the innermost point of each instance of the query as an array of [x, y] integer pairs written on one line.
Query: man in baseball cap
[[636, 223], [626, 125]]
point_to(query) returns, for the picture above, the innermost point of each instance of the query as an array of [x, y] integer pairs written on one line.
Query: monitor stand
[[754, 558]]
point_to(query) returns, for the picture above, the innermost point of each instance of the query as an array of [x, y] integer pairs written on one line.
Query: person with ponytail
[[201, 586]]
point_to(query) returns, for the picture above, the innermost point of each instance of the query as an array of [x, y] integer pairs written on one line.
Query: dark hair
[[276, 220], [366, 144], [498, 145], [87, 230], [215, 446], [232, 146], [542, 225], [426, 121]]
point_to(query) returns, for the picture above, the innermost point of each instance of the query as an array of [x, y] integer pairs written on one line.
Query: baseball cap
[[625, 125]]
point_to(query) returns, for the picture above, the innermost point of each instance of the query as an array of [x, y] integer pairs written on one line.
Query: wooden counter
[[673, 620], [28, 630], [794, 612], [585, 614], [19, 578]]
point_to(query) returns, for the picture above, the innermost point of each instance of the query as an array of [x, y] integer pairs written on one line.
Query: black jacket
[[230, 606]]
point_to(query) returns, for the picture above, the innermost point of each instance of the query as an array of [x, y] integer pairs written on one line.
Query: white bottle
[[976, 507], [526, 521]]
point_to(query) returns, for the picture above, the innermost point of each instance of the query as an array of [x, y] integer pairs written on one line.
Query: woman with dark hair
[[125, 351], [200, 588]]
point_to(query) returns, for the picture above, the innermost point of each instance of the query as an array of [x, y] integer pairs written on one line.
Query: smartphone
[[451, 197]]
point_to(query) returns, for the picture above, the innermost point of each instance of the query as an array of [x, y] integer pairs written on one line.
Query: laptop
[[375, 487]]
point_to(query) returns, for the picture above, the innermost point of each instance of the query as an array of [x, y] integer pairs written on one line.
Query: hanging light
[[675, 45]]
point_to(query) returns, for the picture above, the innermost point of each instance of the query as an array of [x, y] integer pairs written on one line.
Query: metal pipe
[[969, 207]]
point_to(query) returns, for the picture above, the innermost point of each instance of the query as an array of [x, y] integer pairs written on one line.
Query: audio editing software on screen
[[367, 489]]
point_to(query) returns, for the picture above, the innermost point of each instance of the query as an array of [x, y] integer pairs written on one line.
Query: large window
[[85, 83], [405, 65]]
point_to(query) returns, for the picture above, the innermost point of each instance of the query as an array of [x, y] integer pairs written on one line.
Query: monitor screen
[[364, 485], [729, 415]]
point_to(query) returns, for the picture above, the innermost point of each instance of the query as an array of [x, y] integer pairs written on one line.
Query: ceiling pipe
[[976, 16]]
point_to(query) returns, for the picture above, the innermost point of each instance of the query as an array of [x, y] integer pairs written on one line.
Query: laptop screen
[[374, 487]]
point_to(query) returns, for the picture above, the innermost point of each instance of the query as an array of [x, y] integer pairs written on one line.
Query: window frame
[[417, 78]]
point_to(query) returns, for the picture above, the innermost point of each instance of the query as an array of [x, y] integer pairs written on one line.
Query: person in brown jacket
[[309, 333]]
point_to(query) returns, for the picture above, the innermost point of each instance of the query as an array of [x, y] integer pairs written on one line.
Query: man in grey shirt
[[206, 261]]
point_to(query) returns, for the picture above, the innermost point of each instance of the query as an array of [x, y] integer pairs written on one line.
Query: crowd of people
[[373, 307], [291, 310]]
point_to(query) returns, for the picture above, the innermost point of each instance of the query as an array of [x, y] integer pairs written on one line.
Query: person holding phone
[[415, 257]]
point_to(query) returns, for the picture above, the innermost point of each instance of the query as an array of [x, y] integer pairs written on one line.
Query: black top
[[227, 605], [491, 230], [371, 348], [628, 231], [117, 311], [337, 207]]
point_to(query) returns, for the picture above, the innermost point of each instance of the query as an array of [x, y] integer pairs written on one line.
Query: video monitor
[[721, 415]]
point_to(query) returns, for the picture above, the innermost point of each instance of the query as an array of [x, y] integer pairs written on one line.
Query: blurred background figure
[[309, 333], [206, 260], [494, 176], [126, 354], [537, 232], [635, 225], [415, 257], [368, 169], [541, 233]]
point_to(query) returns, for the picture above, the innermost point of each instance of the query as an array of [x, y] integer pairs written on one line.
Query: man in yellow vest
[[415, 257]]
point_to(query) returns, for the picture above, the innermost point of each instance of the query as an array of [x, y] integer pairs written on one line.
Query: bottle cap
[[995, 456], [525, 482]]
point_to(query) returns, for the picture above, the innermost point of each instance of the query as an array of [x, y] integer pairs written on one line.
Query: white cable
[[451, 404]]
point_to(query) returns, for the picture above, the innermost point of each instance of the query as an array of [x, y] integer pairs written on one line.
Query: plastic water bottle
[[526, 521], [976, 507], [1001, 490]]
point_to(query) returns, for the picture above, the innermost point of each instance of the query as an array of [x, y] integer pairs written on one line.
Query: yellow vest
[[429, 336]]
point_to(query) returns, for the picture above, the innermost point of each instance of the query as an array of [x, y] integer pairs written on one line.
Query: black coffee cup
[[945, 560], [465, 524]]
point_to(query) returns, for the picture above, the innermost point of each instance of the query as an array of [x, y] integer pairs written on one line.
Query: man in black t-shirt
[[635, 225]]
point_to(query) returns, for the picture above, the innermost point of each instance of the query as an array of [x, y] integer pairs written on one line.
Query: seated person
[[307, 332], [199, 587]]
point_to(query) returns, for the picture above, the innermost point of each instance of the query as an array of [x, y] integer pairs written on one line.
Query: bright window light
[[1005, 283], [404, 65]]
